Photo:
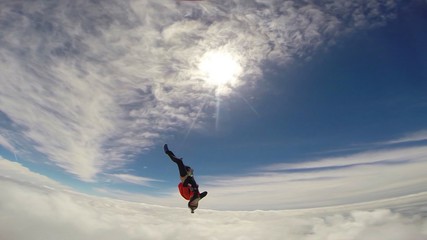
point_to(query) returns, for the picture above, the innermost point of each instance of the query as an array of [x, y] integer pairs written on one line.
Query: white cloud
[[165, 197], [33, 213], [5, 143], [92, 84], [16, 172], [133, 179], [390, 156], [355, 178], [411, 137]]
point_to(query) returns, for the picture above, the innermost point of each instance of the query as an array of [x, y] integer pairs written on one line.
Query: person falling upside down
[[188, 188]]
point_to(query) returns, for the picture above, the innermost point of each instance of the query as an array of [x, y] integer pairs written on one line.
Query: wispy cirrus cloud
[[5, 143], [411, 137], [91, 84], [129, 178]]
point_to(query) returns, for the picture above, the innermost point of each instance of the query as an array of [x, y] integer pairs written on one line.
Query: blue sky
[[317, 95]]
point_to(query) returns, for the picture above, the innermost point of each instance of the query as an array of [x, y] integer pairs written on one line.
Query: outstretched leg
[[178, 161]]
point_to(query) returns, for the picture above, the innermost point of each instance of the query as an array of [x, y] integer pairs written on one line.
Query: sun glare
[[219, 68]]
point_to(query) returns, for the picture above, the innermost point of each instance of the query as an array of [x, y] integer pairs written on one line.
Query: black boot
[[169, 152], [203, 194]]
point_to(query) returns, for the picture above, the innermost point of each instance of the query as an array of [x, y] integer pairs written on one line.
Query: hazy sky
[[276, 104]]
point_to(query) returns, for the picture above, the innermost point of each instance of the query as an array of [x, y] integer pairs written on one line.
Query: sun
[[219, 68]]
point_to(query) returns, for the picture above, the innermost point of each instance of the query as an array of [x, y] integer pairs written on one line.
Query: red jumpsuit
[[185, 191]]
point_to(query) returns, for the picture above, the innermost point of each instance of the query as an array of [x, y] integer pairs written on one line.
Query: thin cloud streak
[[390, 156], [143, 181], [90, 85], [5, 143], [408, 138]]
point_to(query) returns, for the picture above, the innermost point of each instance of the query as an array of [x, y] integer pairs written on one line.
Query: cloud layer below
[[90, 84], [36, 207], [30, 212]]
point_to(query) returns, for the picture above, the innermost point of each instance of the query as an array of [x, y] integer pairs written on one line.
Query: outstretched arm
[[190, 180]]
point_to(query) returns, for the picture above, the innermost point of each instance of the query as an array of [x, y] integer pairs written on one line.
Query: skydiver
[[188, 188]]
